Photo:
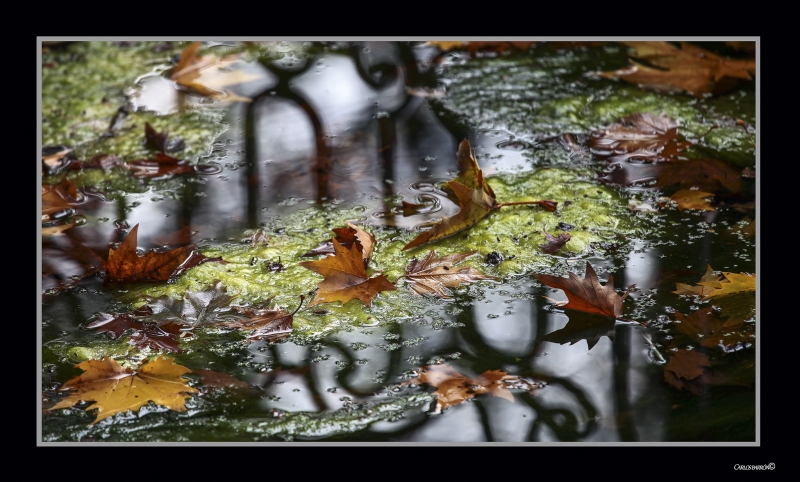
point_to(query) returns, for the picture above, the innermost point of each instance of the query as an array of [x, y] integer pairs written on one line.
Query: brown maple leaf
[[554, 243], [454, 388], [347, 236], [208, 75], [641, 136], [691, 370], [345, 277], [215, 379], [588, 294], [476, 200], [686, 69], [707, 329], [116, 389], [432, 275], [125, 265]]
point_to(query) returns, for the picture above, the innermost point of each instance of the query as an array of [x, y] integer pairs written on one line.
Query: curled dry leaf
[[588, 294], [116, 389], [476, 200], [345, 277], [432, 275], [348, 236]]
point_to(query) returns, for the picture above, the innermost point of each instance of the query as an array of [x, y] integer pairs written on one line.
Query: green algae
[[597, 213], [540, 95]]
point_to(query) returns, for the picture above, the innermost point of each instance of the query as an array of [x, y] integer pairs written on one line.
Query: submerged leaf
[[432, 275], [454, 388]]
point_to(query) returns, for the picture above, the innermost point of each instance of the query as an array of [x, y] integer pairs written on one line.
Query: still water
[[356, 128]]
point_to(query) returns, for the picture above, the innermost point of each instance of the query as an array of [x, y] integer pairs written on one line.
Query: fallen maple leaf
[[642, 136], [267, 324], [711, 175], [215, 379], [347, 236], [204, 75], [711, 285], [693, 199], [432, 275], [116, 389], [475, 197], [689, 69], [554, 243], [454, 388], [699, 290], [588, 294], [125, 265], [162, 165], [345, 277], [707, 329]]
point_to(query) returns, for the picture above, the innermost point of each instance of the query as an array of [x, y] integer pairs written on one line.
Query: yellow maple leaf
[[209, 75], [116, 389], [731, 284]]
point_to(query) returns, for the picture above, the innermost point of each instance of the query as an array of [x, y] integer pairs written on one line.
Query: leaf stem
[[548, 205]]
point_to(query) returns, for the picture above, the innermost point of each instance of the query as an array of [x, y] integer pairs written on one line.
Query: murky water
[[347, 129]]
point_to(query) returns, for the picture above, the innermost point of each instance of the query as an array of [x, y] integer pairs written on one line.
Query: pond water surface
[[340, 132]]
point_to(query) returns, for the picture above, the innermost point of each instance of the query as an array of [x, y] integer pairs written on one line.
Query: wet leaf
[[162, 165], [730, 283], [345, 277], [208, 75], [707, 329], [454, 388], [116, 389], [663, 67], [432, 275], [159, 337], [215, 379], [693, 199], [125, 265], [588, 294], [699, 290], [711, 285], [475, 205], [554, 243], [710, 175], [269, 324], [57, 207], [196, 308], [476, 200], [347, 237], [686, 364], [641, 136], [159, 140]]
